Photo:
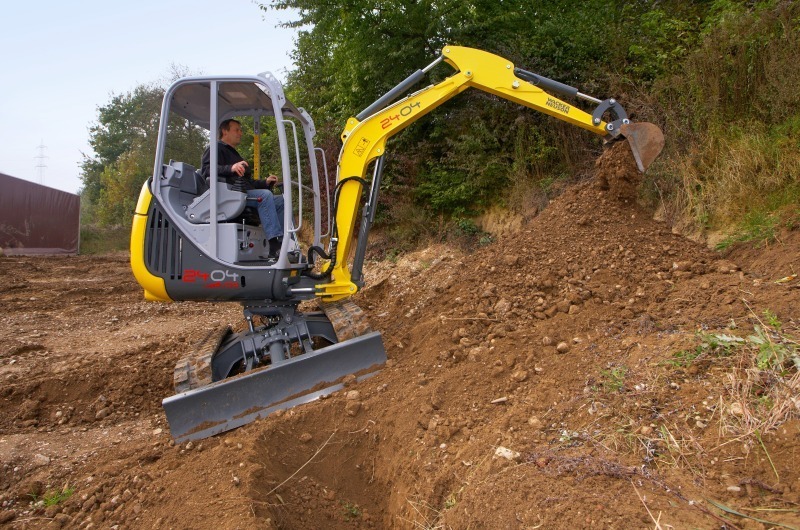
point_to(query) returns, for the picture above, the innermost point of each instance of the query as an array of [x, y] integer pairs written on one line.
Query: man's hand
[[272, 180], [240, 167]]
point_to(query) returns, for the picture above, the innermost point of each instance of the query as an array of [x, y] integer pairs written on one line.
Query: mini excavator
[[194, 239]]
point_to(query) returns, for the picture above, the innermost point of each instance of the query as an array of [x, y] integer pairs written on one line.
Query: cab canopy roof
[[190, 98]]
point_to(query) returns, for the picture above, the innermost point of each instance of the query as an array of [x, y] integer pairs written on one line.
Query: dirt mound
[[561, 376], [616, 172]]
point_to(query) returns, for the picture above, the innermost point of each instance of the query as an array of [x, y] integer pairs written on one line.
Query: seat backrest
[[230, 204], [184, 177], [200, 183], [180, 185]]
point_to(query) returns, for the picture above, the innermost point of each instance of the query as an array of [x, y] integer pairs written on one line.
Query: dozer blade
[[239, 400], [646, 141]]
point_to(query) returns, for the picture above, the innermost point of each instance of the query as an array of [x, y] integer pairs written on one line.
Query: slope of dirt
[[539, 382]]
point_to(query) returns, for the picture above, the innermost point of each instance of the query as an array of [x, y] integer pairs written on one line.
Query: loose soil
[[542, 381]]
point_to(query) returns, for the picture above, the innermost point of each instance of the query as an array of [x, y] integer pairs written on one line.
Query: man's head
[[230, 132]]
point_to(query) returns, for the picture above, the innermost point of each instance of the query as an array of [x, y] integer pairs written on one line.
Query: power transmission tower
[[40, 165]]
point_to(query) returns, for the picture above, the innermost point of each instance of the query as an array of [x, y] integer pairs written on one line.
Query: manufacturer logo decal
[[216, 279], [558, 105]]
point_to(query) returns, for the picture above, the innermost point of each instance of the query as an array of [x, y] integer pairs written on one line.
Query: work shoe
[[274, 246], [270, 258]]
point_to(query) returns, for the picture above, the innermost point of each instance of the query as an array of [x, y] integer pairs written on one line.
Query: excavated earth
[[533, 383]]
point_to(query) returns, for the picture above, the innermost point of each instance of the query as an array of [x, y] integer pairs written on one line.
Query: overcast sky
[[61, 60]]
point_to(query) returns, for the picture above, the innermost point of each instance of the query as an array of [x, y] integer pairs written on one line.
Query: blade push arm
[[364, 137]]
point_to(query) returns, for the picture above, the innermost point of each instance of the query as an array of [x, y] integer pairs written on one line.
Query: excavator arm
[[364, 138]]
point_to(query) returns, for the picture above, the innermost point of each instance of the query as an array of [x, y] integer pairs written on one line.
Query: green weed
[[765, 403], [351, 511], [719, 344], [712, 345], [467, 227], [450, 501], [468, 233], [568, 437], [774, 351], [757, 227], [614, 378], [54, 497], [772, 319], [393, 254], [683, 358], [763, 377]]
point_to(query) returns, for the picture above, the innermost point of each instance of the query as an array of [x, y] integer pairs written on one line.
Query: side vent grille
[[163, 247]]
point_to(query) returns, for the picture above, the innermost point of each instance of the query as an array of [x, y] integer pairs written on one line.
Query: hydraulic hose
[[334, 235], [320, 252]]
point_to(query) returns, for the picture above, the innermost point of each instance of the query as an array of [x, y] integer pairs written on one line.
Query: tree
[[124, 143], [124, 124]]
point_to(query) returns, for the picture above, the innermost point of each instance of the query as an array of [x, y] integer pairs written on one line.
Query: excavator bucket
[[236, 401], [646, 141]]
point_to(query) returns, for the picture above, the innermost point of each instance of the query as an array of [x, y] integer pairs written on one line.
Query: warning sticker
[[361, 147]]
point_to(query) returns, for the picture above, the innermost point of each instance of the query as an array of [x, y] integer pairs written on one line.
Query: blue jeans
[[270, 211]]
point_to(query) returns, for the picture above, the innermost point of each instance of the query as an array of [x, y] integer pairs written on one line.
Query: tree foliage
[[469, 154], [694, 67], [122, 126], [731, 111], [685, 65], [124, 143]]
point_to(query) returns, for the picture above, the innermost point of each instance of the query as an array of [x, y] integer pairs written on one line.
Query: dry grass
[[756, 377], [759, 401], [733, 175], [763, 388], [732, 124], [683, 448], [656, 521], [425, 516]]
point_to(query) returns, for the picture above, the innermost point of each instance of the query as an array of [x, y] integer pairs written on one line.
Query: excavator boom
[[364, 137]]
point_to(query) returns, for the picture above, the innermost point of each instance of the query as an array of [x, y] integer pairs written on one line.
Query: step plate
[[237, 401]]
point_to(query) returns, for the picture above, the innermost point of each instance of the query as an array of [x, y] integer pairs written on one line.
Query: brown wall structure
[[36, 219]]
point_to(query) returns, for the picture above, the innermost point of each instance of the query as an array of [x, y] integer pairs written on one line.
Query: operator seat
[[230, 204]]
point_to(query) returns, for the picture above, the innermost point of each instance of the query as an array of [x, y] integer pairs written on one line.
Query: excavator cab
[[194, 239], [207, 214]]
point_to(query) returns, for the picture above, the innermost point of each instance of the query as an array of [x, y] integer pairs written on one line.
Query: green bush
[[732, 161], [100, 240]]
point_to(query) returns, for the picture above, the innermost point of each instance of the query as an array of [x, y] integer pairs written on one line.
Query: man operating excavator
[[234, 170]]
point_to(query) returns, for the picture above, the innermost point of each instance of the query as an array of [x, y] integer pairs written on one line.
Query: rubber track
[[194, 370], [348, 320]]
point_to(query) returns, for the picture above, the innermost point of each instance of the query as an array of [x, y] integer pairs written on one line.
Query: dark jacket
[[227, 156]]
